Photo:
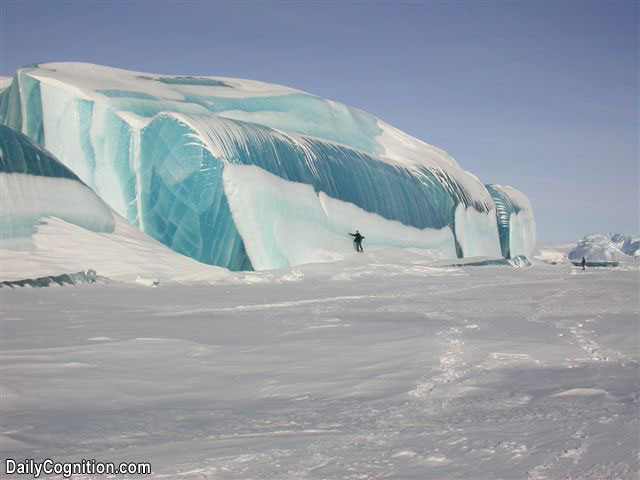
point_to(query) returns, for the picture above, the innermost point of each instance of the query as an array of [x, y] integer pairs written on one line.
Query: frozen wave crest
[[155, 147], [516, 222]]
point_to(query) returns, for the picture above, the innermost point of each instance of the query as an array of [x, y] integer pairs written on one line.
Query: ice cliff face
[[244, 174]]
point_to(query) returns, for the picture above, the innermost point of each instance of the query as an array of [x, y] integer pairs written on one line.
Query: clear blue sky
[[540, 95]]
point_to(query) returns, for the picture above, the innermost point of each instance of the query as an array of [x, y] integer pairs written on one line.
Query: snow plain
[[382, 365]]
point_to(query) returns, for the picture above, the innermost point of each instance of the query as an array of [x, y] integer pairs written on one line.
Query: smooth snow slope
[[126, 254], [52, 223], [382, 366], [155, 148]]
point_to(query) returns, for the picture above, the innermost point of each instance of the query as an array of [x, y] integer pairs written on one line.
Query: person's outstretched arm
[[352, 234]]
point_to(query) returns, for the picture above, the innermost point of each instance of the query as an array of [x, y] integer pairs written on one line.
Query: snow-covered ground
[[124, 254], [379, 366]]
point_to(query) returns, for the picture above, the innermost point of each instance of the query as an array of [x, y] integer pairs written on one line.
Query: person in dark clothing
[[357, 240], [584, 262]]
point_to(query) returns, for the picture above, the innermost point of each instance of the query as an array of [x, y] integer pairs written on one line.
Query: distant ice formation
[[607, 247], [248, 175]]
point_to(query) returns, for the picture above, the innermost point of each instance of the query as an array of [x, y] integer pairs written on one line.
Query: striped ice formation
[[34, 185], [516, 224], [245, 174]]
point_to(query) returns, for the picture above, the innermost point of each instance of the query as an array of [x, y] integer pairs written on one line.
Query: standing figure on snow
[[583, 263], [357, 241]]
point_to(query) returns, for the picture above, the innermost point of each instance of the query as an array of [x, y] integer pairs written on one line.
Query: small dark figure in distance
[[357, 241], [583, 263]]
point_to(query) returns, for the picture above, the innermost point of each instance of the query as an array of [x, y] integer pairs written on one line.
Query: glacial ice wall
[[163, 150], [34, 185]]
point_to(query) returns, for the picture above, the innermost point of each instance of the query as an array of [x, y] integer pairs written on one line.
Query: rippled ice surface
[[379, 367]]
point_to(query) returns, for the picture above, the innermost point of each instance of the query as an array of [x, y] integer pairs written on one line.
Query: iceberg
[[249, 175], [607, 247]]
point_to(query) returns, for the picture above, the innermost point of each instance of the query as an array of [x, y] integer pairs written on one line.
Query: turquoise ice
[[165, 151], [34, 185], [516, 225]]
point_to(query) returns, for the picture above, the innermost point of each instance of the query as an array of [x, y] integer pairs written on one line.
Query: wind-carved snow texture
[[379, 366], [156, 149]]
